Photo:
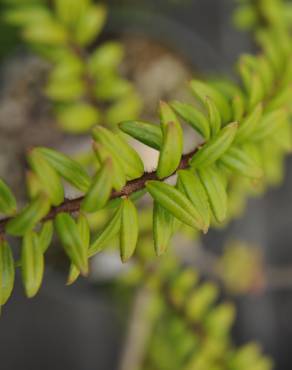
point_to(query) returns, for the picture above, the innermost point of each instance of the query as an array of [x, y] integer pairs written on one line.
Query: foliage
[[84, 84], [245, 134]]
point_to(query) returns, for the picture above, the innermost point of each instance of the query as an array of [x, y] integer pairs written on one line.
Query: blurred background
[[83, 327]]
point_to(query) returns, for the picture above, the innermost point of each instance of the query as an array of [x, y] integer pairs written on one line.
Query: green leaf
[[287, 75], [127, 106], [245, 16], [215, 189], [238, 160], [84, 232], [69, 11], [193, 117], [110, 230], [105, 58], [29, 216], [90, 24], [284, 136], [118, 174], [220, 319], [147, 133], [270, 122], [32, 264], [70, 238], [183, 284], [237, 108], [100, 189], [49, 179], [172, 146], [176, 203], [266, 72], [256, 93], [67, 66], [73, 274], [33, 185], [190, 184], [270, 50], [7, 199], [162, 228], [26, 15], [69, 169], [121, 150], [199, 302], [227, 87], [78, 117], [213, 115], [113, 87], [249, 124], [46, 235], [129, 229], [46, 32], [7, 272], [201, 90], [281, 99], [245, 74], [65, 89], [214, 148]]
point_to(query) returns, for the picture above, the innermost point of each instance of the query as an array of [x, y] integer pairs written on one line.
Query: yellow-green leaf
[[201, 90], [237, 108], [110, 230], [129, 229], [46, 32], [121, 150], [162, 228], [193, 117], [105, 58], [32, 264], [49, 179], [172, 145], [213, 115], [7, 199], [147, 133], [78, 117], [7, 272], [214, 148], [176, 203], [268, 125], [190, 184], [256, 93], [100, 189], [45, 236], [84, 232], [238, 160], [29, 216], [70, 238], [118, 175], [69, 169], [249, 124], [215, 188], [90, 24]]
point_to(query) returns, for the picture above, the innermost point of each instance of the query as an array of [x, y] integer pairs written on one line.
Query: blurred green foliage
[[85, 84]]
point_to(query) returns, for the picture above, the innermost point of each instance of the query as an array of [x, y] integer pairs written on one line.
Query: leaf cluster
[[84, 84], [246, 132]]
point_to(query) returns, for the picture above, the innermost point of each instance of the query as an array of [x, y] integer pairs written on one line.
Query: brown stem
[[73, 205]]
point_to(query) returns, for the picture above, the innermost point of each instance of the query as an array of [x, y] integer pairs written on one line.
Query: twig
[[73, 205]]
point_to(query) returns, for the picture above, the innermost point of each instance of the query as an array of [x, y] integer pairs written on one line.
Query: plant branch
[[132, 186]]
